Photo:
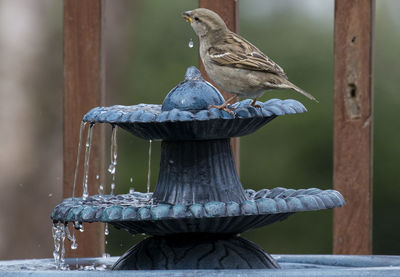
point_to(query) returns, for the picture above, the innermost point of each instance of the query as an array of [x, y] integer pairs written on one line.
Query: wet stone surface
[[187, 121], [137, 213], [149, 122]]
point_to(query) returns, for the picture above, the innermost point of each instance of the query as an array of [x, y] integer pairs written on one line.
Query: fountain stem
[[197, 172]]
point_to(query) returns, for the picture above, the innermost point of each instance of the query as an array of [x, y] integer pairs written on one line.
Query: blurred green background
[[292, 151], [147, 53]]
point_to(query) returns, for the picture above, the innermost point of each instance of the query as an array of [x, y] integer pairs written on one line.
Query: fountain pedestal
[[195, 251]]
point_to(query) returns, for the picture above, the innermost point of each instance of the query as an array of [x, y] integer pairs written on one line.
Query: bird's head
[[204, 21]]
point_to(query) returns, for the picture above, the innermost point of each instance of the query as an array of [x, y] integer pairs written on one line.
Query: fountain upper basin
[[149, 122], [187, 114]]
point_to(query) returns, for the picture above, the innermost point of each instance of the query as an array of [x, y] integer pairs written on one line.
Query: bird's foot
[[219, 107], [222, 107], [253, 104], [229, 111]]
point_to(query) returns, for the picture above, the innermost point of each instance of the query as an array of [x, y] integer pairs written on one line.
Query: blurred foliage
[[292, 151], [386, 233]]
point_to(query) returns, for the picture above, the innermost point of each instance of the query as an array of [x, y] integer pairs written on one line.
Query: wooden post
[[353, 118], [229, 11], [83, 90]]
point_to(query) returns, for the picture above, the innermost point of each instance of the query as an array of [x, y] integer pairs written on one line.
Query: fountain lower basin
[[291, 265], [137, 214]]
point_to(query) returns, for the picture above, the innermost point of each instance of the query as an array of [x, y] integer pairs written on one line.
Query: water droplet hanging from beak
[[191, 44]]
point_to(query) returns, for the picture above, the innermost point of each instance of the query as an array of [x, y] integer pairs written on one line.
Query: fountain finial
[[192, 73]]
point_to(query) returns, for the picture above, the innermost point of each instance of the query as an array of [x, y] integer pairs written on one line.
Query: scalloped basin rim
[[151, 113], [264, 202]]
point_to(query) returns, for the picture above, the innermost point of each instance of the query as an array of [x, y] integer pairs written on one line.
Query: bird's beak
[[188, 16]]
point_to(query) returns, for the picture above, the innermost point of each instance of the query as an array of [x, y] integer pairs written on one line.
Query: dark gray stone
[[195, 251], [198, 203]]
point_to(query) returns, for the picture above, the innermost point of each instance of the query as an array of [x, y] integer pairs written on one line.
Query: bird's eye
[[196, 18]]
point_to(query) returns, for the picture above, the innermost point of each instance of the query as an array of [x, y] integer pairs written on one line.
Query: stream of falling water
[[100, 190], [78, 156], [149, 167], [113, 158], [88, 145], [61, 231], [106, 233], [111, 169], [71, 238], [58, 231]]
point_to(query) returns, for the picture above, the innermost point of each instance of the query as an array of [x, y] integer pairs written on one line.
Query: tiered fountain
[[199, 206]]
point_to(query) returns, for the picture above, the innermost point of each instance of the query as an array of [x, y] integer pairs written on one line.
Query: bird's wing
[[235, 51]]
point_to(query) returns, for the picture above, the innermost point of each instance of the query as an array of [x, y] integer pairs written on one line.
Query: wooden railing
[[83, 90], [353, 121]]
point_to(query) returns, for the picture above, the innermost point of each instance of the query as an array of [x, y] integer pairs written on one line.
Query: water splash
[[88, 145], [78, 156], [32, 267], [100, 191], [113, 158], [149, 167], [191, 44], [139, 199], [74, 245]]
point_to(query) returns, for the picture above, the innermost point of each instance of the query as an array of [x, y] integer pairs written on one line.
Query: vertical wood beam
[[229, 11], [83, 90], [353, 123]]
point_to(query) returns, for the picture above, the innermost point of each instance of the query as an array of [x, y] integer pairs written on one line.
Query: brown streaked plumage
[[233, 63]]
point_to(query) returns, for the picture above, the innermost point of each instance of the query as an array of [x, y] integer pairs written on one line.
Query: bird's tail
[[296, 88]]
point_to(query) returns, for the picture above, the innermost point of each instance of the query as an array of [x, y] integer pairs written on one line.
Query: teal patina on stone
[[129, 213], [259, 204], [89, 213], [160, 211], [214, 209], [199, 201], [112, 213]]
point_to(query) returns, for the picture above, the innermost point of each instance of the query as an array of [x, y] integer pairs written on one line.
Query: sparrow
[[233, 63]]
